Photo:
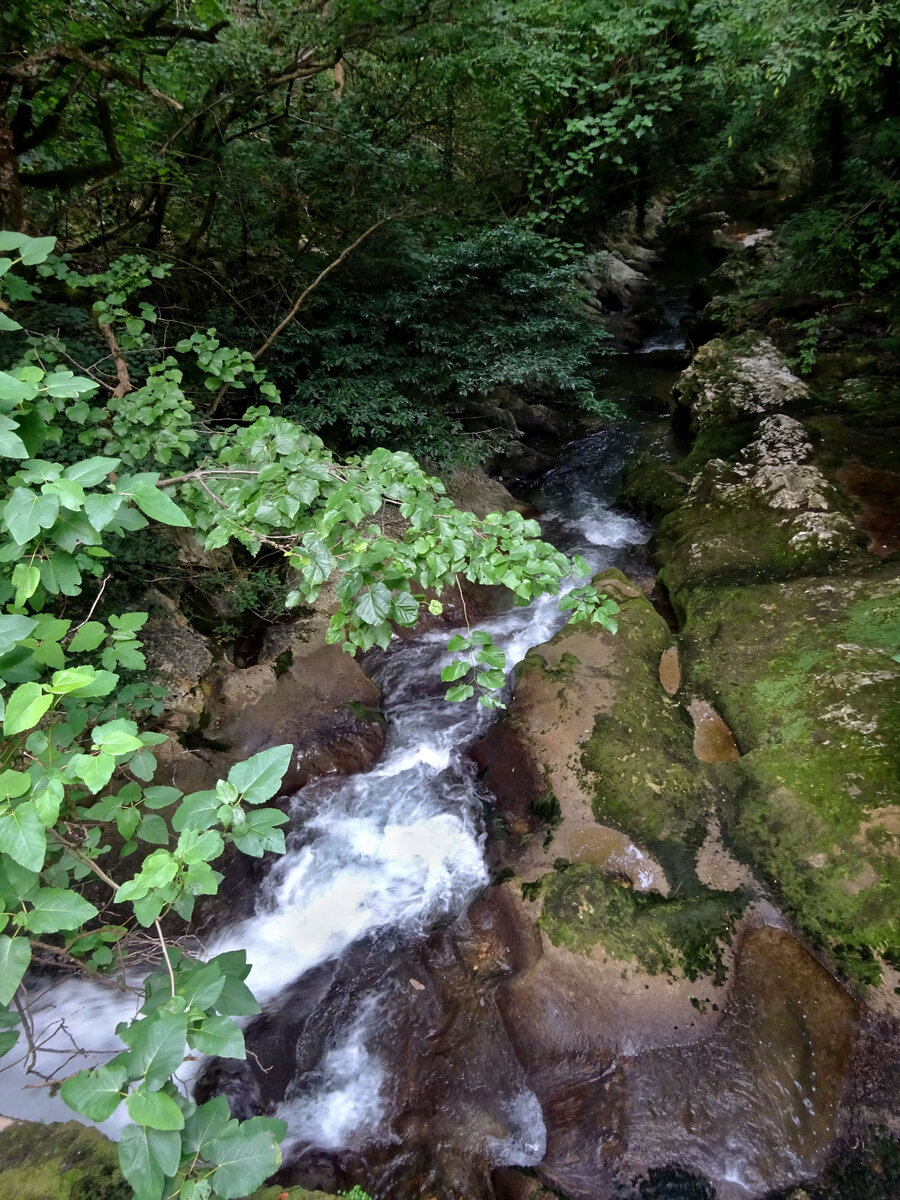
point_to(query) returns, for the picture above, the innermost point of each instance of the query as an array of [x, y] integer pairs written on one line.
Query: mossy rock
[[803, 673], [59, 1162], [731, 379], [682, 935], [652, 488], [76, 1162]]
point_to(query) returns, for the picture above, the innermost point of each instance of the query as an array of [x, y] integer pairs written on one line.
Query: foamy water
[[395, 848]]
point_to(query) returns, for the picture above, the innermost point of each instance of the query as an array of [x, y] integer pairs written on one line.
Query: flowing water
[[373, 859]]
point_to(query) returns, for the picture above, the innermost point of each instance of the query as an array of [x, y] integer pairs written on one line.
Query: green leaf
[[26, 513], [36, 250], [96, 1093], [89, 636], [58, 908], [457, 643], [244, 1163], [373, 604], [157, 1046], [14, 784], [15, 955], [456, 670], [91, 471], [211, 1121], [23, 837], [154, 830], [405, 609], [94, 770], [154, 1109], [16, 390], [13, 629], [158, 506], [197, 811], [259, 778], [117, 737], [11, 445], [461, 692], [148, 1157], [218, 1036]]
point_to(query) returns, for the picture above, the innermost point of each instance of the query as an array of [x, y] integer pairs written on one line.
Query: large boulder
[[593, 761], [770, 514], [735, 379], [613, 282], [805, 674]]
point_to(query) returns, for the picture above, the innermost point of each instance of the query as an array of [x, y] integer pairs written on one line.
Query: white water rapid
[[390, 850]]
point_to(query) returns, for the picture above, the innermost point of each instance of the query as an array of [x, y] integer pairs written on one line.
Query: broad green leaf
[[154, 1109], [197, 811], [96, 1093], [89, 636], [154, 830], [117, 737], [58, 908], [258, 778], [15, 955], [36, 250], [15, 389], [13, 629], [23, 837], [13, 784], [157, 1046], [148, 1157], [26, 513], [218, 1036], [72, 679], [455, 671], [11, 445], [91, 471], [211, 1121], [94, 770], [158, 506], [244, 1163], [462, 691], [373, 604]]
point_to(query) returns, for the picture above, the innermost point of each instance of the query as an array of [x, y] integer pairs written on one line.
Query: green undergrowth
[[674, 936]]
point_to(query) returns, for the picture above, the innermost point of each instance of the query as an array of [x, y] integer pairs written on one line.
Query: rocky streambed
[[639, 937]]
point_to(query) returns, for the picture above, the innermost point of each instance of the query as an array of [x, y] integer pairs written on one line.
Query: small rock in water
[[420, 987]]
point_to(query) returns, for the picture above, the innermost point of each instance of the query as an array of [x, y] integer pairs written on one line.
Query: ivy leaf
[[258, 778], [148, 1157], [95, 1093], [58, 908], [15, 955]]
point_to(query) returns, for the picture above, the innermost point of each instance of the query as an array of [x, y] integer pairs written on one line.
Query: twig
[[298, 303], [31, 1056], [124, 386], [163, 947], [103, 583], [83, 858]]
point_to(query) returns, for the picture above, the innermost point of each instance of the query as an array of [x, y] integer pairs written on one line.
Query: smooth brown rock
[[670, 670], [713, 740]]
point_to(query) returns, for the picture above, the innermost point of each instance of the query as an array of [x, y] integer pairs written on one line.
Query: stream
[[379, 1044]]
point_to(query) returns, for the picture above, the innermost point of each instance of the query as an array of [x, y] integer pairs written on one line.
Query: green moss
[[283, 663], [652, 488], [59, 1162], [365, 712], [725, 440], [674, 936], [802, 672], [561, 673]]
